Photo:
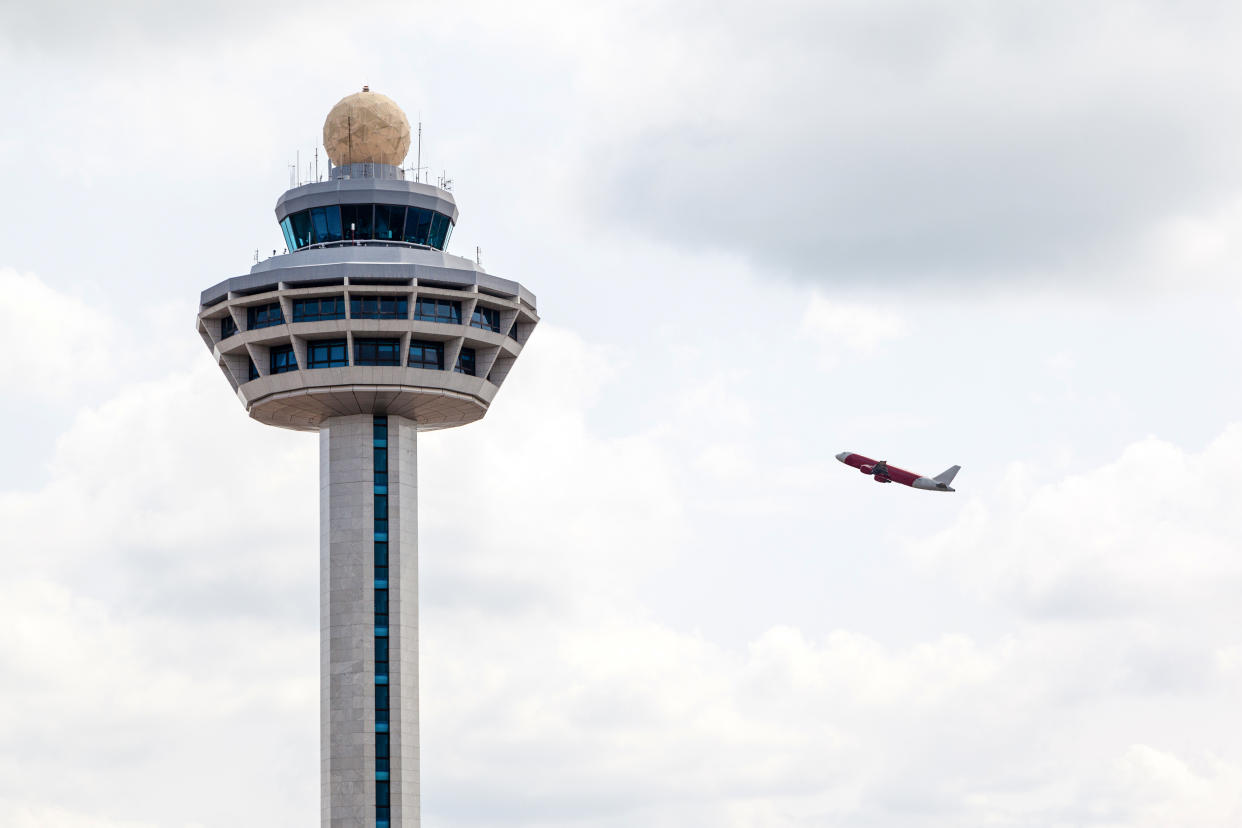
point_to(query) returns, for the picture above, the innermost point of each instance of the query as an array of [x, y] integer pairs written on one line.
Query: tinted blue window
[[253, 370], [326, 224], [381, 608], [326, 353], [513, 332], [438, 310], [439, 231], [465, 362], [428, 355], [227, 327], [301, 225], [417, 225], [318, 309], [356, 220], [377, 352], [264, 316], [282, 359], [379, 307], [286, 227], [486, 318], [389, 222]]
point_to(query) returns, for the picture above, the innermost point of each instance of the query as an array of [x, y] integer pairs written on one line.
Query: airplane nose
[[844, 455]]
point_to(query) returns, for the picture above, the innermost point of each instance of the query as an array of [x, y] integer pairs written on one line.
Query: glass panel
[[286, 227], [439, 231], [319, 225], [376, 352], [356, 220], [326, 224], [334, 222], [485, 318], [389, 222], [417, 225], [465, 362], [326, 354], [282, 359], [301, 229]]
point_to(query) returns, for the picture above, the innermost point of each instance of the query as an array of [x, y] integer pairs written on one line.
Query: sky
[[1001, 235]]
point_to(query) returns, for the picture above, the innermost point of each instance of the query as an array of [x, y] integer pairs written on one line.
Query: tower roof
[[366, 128]]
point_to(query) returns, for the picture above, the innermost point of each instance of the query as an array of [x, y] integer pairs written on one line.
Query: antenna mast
[[418, 164]]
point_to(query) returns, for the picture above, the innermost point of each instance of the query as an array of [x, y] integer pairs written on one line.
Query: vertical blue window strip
[[379, 449]]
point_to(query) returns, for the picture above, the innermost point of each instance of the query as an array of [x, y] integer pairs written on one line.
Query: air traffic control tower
[[367, 332]]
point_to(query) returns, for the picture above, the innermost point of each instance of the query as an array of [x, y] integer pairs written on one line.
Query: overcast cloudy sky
[[1006, 235]]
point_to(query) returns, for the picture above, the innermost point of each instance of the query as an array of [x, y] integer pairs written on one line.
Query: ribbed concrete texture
[[347, 618]]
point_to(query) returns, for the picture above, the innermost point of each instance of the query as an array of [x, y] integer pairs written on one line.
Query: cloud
[[161, 604], [899, 142], [835, 327], [1153, 531], [55, 342]]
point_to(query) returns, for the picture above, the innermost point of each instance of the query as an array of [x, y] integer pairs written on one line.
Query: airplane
[[884, 473]]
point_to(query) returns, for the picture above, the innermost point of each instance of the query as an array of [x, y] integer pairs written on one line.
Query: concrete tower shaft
[[368, 332]]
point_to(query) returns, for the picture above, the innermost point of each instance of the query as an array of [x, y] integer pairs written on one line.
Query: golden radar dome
[[366, 128]]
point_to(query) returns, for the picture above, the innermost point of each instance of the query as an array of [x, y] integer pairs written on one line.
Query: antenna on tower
[[316, 162], [297, 161], [418, 163]]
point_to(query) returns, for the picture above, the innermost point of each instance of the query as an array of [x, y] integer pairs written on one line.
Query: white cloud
[[836, 327], [1154, 530], [53, 341]]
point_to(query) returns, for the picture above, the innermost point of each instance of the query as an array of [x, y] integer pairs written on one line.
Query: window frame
[[313, 344], [467, 355], [423, 345], [377, 343], [453, 306]]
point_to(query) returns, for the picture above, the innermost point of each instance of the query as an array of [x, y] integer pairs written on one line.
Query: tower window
[[362, 222], [465, 362], [356, 220], [417, 225], [379, 307], [428, 355], [486, 318], [438, 310], [319, 309], [264, 316], [377, 352], [326, 353], [252, 370], [440, 229], [227, 327], [389, 222], [513, 332], [326, 224], [300, 228], [282, 359]]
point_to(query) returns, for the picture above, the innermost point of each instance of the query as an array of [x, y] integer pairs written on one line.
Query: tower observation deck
[[367, 332]]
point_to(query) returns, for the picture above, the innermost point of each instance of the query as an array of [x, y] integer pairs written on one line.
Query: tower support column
[[369, 746]]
